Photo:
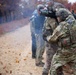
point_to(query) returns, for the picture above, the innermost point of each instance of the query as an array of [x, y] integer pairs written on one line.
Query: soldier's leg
[[33, 46], [38, 52], [50, 50], [42, 47], [56, 65], [59, 67], [33, 38]]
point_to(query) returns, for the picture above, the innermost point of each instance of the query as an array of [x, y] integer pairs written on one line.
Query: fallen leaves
[[6, 71], [17, 61], [29, 52], [20, 54], [24, 59], [4, 67], [10, 71], [1, 62]]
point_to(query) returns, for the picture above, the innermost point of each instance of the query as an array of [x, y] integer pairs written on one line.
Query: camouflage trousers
[[64, 60], [50, 51], [40, 47]]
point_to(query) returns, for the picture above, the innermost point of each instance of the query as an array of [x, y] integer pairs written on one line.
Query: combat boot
[[44, 73], [40, 64], [33, 57]]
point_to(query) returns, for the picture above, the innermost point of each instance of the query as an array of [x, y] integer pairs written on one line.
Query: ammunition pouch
[[65, 42]]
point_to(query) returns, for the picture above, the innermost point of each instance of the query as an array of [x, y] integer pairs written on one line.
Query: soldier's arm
[[56, 34], [47, 30]]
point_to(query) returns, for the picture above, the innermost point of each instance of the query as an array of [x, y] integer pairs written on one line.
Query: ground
[[15, 49]]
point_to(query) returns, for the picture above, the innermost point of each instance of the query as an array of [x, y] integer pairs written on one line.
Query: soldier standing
[[64, 60], [38, 22], [49, 26]]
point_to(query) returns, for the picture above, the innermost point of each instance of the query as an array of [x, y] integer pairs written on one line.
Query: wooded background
[[17, 9]]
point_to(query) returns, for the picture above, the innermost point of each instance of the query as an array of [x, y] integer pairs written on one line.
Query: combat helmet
[[62, 13], [40, 6]]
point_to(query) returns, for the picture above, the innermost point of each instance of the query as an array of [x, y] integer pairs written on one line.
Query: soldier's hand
[[48, 39]]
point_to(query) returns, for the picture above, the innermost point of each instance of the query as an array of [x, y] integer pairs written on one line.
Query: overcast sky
[[72, 1]]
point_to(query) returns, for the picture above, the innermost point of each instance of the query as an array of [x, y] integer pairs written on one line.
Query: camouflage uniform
[[50, 48], [65, 56], [49, 26]]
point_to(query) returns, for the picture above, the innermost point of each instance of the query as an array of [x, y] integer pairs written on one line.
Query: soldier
[[64, 60], [38, 22], [49, 26]]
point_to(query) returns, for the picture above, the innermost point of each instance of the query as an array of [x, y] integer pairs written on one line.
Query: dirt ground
[[15, 50]]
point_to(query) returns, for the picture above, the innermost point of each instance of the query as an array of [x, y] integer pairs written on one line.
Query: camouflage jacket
[[65, 38], [62, 32], [49, 26]]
